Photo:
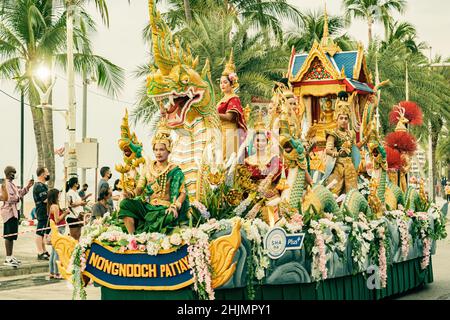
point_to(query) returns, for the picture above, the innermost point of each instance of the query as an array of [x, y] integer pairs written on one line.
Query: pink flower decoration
[[410, 213], [232, 76], [133, 245]]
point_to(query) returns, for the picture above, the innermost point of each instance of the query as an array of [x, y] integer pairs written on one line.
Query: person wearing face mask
[[40, 191], [106, 174], [75, 205], [10, 214]]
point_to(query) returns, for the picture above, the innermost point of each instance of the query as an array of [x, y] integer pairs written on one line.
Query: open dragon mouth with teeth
[[177, 105]]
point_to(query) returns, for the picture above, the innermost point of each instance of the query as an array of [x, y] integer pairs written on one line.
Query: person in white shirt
[[75, 205]]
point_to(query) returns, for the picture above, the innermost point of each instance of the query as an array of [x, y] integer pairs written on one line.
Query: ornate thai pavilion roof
[[327, 62]]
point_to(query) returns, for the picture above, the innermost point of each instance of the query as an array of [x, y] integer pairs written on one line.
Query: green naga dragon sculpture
[[185, 97], [316, 199]]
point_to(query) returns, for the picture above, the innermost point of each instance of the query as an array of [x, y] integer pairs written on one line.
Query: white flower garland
[[322, 238], [256, 230], [404, 237], [362, 236]]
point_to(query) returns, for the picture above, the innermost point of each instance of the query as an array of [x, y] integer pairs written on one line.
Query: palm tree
[[265, 16], [311, 27], [406, 33], [373, 11], [33, 33], [211, 37]]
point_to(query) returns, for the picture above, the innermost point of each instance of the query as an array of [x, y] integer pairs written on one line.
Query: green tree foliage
[[33, 33]]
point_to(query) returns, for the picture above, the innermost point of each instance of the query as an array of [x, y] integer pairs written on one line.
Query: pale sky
[[122, 43]]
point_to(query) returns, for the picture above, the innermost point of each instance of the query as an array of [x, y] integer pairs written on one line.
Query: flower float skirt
[[134, 270]]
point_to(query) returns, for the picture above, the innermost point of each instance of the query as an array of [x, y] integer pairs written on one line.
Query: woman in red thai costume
[[230, 111], [266, 169], [263, 163]]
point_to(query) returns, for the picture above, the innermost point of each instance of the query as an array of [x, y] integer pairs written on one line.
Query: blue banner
[[138, 271]]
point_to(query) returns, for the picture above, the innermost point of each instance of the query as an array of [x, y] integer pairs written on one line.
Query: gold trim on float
[[223, 250], [64, 246], [149, 288], [318, 90]]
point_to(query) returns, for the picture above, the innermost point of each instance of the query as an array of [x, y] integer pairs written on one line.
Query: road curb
[[24, 269], [25, 281]]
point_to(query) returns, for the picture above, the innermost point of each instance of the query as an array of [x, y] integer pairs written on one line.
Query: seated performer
[[159, 202], [340, 142], [264, 165]]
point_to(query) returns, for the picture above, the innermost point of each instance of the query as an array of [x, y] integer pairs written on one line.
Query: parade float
[[317, 210]]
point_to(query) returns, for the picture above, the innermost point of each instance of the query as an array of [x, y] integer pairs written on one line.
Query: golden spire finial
[[326, 42], [325, 25], [229, 67]]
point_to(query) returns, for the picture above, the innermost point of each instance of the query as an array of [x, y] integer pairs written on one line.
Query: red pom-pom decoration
[[393, 158], [412, 112], [402, 141]]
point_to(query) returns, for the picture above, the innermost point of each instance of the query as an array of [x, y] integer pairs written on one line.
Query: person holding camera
[[75, 205], [10, 213]]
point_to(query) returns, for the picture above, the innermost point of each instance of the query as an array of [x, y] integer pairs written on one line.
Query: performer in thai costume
[[159, 202], [340, 145], [263, 163], [233, 125]]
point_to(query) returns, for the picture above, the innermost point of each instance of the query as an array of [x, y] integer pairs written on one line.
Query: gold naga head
[[173, 79]]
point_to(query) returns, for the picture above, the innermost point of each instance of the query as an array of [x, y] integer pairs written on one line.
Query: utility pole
[[430, 155], [22, 143], [84, 129], [377, 81], [72, 154]]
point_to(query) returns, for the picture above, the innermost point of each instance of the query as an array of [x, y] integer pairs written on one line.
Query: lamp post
[[72, 154], [22, 142]]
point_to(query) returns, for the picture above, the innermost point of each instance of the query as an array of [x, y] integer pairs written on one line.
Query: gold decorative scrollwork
[[223, 250]]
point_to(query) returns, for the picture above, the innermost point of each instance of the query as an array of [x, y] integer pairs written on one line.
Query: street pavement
[[38, 287]]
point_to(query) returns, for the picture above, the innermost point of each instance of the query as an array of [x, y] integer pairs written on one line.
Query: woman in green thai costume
[[159, 202]]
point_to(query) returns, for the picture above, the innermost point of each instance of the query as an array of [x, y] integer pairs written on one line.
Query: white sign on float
[[276, 242]]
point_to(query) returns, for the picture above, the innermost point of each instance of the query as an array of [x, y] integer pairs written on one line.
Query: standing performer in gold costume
[[340, 142], [230, 111]]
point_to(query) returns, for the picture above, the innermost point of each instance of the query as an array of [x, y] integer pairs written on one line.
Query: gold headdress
[[260, 126], [342, 105], [230, 72], [163, 135]]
